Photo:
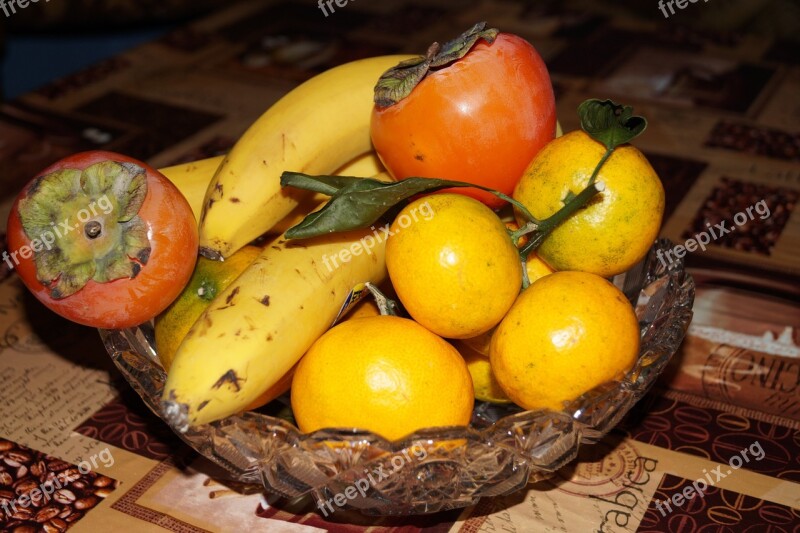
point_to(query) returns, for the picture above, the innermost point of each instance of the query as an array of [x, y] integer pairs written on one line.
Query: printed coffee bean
[[46, 514], [37, 498], [25, 485], [24, 529], [85, 503], [19, 456], [65, 512], [64, 496], [67, 477], [12, 463], [6, 479], [39, 469], [22, 514], [724, 516], [52, 528], [22, 471], [58, 523], [58, 465], [74, 517], [49, 487], [103, 481], [55, 526], [5, 445], [103, 492]]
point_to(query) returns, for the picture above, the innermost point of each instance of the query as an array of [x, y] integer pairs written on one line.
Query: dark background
[[50, 39]]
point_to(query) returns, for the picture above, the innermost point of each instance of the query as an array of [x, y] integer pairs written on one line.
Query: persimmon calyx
[[84, 225], [398, 82]]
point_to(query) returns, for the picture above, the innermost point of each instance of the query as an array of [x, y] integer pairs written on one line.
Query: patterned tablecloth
[[722, 426]]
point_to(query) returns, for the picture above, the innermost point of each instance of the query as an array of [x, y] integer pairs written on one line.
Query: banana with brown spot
[[256, 330], [315, 128]]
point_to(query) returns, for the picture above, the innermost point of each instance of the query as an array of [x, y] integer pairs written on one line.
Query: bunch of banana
[[192, 180], [254, 332], [315, 128]]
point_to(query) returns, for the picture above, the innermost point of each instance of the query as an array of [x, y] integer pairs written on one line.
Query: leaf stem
[[527, 214]]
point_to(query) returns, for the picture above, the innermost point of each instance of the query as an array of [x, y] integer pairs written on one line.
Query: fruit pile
[[439, 180]]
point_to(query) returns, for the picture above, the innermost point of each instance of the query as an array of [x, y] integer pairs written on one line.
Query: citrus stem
[[605, 157], [386, 305], [524, 230], [549, 224], [526, 281]]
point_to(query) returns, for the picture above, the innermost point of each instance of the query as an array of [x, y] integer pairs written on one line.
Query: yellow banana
[[315, 128], [192, 179], [256, 330], [362, 166]]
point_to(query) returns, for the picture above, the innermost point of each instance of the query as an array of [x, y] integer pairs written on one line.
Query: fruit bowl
[[435, 469]]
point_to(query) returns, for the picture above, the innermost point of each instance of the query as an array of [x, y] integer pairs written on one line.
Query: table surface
[[723, 110]]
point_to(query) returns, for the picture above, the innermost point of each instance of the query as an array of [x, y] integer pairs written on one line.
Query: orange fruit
[[483, 381], [536, 267], [565, 334], [453, 265], [364, 308], [619, 225], [385, 374], [208, 279]]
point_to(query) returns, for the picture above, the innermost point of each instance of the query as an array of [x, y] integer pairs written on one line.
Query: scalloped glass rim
[[439, 468]]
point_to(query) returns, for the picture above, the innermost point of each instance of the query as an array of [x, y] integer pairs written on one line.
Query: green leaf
[[363, 201], [610, 123], [398, 82], [458, 47], [45, 202], [73, 280], [124, 182], [322, 184]]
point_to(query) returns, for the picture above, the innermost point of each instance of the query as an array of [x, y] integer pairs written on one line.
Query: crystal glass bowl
[[439, 468]]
